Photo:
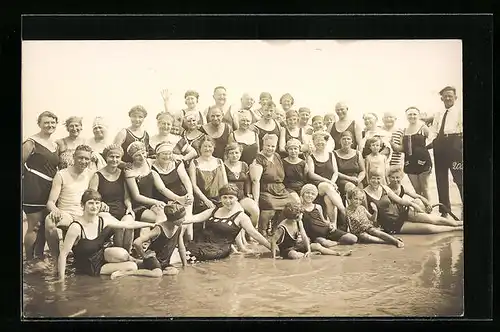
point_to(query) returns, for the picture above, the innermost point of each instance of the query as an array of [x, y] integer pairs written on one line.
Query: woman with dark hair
[[350, 164], [295, 168], [191, 99], [222, 225], [372, 130], [182, 150], [40, 158], [110, 183], [86, 238], [134, 133], [68, 144]]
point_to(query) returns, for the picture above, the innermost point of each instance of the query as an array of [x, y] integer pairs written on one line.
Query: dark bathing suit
[[164, 247], [131, 138], [315, 226], [38, 172], [417, 157], [171, 180], [89, 254], [220, 142], [288, 242], [295, 175], [239, 179], [214, 241], [336, 135], [391, 216], [113, 194], [249, 150]]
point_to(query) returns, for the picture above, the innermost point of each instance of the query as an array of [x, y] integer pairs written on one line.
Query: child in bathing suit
[[361, 221]]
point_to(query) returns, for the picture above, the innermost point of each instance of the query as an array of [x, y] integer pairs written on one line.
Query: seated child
[[361, 221], [164, 237]]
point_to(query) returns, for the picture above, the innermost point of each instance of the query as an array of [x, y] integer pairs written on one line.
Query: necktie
[[441, 130]]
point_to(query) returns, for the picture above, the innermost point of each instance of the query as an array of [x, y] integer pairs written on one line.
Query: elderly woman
[[68, 144], [323, 173], [418, 163], [40, 159], [247, 138], [134, 133], [372, 130], [87, 236], [267, 174], [182, 150], [292, 131], [267, 124], [394, 216], [174, 177], [192, 134], [350, 164], [345, 123], [141, 181], [222, 225], [219, 131], [208, 175], [110, 183], [98, 143]]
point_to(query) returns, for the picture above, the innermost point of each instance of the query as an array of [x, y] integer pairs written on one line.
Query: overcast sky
[[90, 78]]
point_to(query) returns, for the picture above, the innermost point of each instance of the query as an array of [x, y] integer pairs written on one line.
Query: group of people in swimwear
[[211, 181]]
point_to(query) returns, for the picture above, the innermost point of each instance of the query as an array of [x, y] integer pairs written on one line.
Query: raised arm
[[69, 240], [255, 175]]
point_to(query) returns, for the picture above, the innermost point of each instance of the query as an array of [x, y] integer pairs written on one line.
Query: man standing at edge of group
[[448, 147]]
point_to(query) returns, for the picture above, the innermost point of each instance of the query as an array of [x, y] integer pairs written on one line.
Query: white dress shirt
[[453, 124]]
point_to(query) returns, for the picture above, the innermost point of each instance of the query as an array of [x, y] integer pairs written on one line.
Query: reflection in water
[[424, 279]]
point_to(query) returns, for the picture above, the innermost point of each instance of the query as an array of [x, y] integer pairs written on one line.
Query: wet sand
[[423, 279]]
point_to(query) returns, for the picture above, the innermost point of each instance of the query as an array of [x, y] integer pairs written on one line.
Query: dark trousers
[[448, 155]]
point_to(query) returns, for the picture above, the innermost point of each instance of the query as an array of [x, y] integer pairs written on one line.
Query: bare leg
[[188, 234], [386, 237], [348, 239], [264, 219], [331, 211], [156, 273], [34, 221], [327, 189], [415, 183], [326, 251], [421, 228], [116, 255], [326, 243], [109, 268], [367, 238], [432, 219], [423, 180]]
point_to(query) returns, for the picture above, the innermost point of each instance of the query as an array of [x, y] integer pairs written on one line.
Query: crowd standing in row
[[211, 180]]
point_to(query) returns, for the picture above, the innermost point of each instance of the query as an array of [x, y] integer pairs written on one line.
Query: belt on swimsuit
[[40, 174]]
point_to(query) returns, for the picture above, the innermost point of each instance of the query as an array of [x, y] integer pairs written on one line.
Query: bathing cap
[[135, 147], [229, 189], [308, 187]]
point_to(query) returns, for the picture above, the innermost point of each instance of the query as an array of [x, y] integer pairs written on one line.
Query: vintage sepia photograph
[[242, 178]]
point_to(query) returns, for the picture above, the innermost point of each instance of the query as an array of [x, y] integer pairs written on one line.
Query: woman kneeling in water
[[165, 237], [222, 225], [87, 235]]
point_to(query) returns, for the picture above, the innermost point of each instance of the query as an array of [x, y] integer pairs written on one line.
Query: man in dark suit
[[447, 125]]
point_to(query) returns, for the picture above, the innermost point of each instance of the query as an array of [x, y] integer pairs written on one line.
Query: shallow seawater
[[423, 279]]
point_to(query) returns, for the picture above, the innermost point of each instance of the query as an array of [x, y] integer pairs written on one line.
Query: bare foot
[[170, 271], [400, 244], [349, 253], [116, 274]]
